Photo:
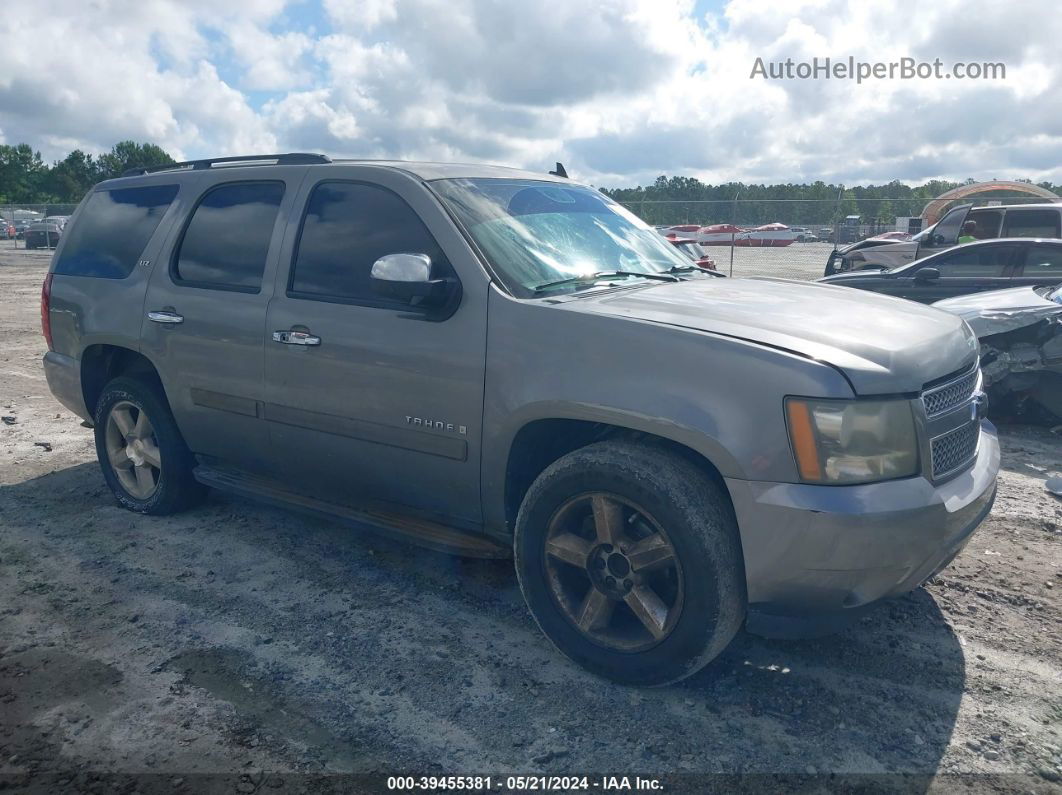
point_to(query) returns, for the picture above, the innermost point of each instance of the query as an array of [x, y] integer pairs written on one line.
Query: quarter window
[[227, 240], [1031, 223], [347, 227], [112, 231]]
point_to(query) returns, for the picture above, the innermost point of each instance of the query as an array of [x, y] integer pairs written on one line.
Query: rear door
[[967, 269], [1041, 265], [205, 310], [384, 407]]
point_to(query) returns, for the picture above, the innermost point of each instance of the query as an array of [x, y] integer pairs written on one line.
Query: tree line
[[686, 200], [26, 179]]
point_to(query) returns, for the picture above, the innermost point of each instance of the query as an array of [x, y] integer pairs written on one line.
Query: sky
[[620, 91]]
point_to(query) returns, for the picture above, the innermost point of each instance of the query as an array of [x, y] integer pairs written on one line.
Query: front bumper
[[826, 551]]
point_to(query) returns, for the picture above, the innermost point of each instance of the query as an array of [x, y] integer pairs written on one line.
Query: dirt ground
[[249, 641]]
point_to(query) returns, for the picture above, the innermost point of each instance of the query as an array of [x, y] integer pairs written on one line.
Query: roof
[[1055, 205], [429, 171], [987, 241], [426, 171]]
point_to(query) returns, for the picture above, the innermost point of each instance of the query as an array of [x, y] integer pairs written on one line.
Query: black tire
[[175, 487], [697, 518]]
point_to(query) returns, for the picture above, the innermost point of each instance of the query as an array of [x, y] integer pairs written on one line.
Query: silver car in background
[[960, 225]]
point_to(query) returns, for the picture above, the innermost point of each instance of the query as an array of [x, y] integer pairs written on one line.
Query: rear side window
[[1043, 262], [227, 239], [112, 230], [987, 222], [348, 226], [1031, 223]]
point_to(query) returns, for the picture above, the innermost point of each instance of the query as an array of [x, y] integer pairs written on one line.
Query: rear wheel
[[140, 449], [628, 557]]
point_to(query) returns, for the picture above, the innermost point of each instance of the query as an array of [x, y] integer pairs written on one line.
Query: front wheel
[[629, 560]]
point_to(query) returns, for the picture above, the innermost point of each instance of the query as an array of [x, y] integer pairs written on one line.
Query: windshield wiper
[[684, 269], [593, 277]]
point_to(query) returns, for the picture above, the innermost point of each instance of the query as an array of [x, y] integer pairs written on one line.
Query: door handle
[[295, 338], [165, 317]]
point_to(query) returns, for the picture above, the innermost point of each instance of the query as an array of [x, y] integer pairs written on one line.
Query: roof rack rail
[[287, 159]]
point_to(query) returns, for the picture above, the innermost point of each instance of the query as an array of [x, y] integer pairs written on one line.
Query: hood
[[844, 277], [868, 242], [897, 251], [883, 345], [997, 311]]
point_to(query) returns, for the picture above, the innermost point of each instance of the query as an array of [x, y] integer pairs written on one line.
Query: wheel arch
[[539, 442], [103, 362]]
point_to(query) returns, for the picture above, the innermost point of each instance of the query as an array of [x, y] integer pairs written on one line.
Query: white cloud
[[620, 90]]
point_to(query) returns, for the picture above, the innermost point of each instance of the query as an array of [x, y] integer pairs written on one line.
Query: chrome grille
[[955, 449], [941, 398]]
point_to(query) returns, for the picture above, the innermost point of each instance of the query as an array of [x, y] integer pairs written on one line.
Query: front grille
[[955, 449], [941, 398]]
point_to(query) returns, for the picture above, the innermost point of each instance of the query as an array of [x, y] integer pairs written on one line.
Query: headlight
[[852, 441]]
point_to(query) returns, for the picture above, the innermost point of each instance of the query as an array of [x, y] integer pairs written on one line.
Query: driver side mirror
[[407, 277], [927, 275]]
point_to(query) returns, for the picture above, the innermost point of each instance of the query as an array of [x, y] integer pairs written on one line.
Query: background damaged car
[[1020, 331]]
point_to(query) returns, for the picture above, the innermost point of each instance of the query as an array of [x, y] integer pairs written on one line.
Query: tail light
[[46, 301]]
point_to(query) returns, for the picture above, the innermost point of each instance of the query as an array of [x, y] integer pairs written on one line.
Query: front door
[[206, 309], [945, 234], [370, 401]]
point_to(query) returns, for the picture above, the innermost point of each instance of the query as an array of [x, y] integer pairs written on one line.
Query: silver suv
[[493, 362], [962, 224]]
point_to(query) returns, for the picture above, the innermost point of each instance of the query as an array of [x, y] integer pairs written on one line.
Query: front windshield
[[691, 250], [537, 233]]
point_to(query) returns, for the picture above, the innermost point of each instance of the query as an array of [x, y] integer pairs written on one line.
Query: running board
[[422, 532]]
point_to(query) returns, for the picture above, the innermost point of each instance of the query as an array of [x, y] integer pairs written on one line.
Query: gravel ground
[[244, 640]]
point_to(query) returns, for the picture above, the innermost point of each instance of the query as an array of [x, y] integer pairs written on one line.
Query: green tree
[[70, 178], [129, 154], [22, 174]]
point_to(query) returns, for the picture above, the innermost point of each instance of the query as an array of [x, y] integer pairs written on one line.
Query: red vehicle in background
[[692, 249]]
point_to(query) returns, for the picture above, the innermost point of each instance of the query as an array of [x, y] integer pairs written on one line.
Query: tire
[[666, 506], [153, 437]]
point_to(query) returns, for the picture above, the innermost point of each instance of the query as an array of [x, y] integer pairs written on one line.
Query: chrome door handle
[[165, 317], [295, 338]]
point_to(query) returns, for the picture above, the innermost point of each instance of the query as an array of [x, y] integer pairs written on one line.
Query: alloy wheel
[[613, 572], [133, 450]]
